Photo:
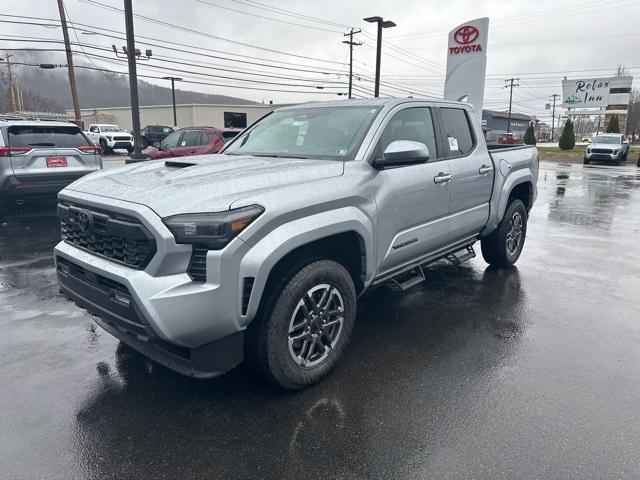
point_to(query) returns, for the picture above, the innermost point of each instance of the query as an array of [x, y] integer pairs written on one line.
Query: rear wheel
[[503, 246], [305, 325]]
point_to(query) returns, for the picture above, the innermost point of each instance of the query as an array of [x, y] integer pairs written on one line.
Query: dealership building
[[495, 123]]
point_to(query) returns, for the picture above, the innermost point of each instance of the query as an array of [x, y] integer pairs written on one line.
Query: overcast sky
[[535, 41]]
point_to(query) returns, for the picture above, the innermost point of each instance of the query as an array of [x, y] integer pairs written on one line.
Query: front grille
[[197, 269], [126, 139], [601, 150], [120, 238]]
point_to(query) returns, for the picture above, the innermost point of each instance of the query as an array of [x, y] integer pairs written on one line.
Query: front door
[[413, 200], [472, 171]]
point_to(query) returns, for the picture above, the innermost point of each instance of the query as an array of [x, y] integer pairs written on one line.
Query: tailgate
[[44, 161]]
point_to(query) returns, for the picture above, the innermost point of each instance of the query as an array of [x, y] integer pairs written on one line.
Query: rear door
[[191, 143], [413, 200], [472, 171], [51, 151]]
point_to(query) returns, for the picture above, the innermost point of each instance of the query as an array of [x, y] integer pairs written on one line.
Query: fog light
[[121, 299]]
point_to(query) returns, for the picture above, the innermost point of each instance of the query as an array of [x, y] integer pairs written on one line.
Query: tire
[[616, 162], [638, 164], [103, 146], [144, 143], [295, 359], [498, 248], [585, 161], [129, 150]]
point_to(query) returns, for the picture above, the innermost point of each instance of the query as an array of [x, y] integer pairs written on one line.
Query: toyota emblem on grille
[[85, 221], [465, 35]]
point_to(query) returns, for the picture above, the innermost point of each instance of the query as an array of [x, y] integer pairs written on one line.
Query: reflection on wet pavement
[[480, 373]]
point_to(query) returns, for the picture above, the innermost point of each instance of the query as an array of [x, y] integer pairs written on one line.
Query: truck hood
[[204, 183]]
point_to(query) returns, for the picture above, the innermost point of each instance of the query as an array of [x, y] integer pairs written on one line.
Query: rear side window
[[456, 130], [194, 138], [42, 136]]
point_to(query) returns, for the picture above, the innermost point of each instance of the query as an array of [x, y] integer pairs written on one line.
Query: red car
[[507, 139], [191, 141]]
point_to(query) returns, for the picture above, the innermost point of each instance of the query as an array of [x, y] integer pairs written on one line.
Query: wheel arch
[[342, 236]]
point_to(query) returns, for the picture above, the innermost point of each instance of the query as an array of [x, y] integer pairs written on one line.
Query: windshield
[[111, 128], [333, 133], [609, 140]]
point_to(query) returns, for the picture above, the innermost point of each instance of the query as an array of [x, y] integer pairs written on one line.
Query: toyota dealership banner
[[467, 63]]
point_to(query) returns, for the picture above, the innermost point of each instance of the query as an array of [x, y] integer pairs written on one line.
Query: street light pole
[[553, 114], [133, 81], [381, 24], [173, 97]]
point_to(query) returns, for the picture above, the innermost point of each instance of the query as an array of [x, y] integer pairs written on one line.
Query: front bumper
[[119, 143], [117, 312], [166, 310]]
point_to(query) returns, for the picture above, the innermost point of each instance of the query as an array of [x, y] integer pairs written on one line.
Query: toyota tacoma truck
[[262, 251], [110, 137]]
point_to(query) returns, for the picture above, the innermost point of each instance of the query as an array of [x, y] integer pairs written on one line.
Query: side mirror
[[402, 152]]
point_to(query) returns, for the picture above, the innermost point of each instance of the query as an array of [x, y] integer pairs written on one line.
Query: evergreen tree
[[530, 136], [614, 125], [568, 138]]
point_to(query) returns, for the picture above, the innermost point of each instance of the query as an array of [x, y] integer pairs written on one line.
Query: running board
[[407, 280], [462, 255]]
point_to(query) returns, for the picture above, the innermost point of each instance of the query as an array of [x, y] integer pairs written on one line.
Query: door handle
[[485, 169], [442, 177]]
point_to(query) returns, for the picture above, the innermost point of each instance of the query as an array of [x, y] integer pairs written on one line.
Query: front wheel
[[503, 246], [305, 325], [103, 146], [585, 160]]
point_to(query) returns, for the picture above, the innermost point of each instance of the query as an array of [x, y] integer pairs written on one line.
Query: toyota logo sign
[[85, 221], [465, 35]]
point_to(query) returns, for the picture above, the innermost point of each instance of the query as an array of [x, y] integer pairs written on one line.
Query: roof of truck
[[372, 102]]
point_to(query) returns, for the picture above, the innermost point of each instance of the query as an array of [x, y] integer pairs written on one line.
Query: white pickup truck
[[110, 137]]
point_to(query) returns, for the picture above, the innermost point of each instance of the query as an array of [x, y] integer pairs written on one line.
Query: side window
[[95, 129], [414, 124], [456, 131], [191, 138]]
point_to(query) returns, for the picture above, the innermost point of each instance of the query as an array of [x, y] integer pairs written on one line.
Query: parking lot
[[530, 372]]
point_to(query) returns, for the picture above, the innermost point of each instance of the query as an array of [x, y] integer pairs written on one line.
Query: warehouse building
[[191, 115], [495, 123]]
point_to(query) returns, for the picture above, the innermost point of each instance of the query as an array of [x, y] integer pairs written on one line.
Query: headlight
[[615, 152], [588, 149], [109, 137], [214, 230]]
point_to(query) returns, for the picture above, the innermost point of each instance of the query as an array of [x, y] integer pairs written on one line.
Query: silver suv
[[42, 157]]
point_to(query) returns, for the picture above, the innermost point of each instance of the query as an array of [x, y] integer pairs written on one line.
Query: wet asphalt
[[532, 372]]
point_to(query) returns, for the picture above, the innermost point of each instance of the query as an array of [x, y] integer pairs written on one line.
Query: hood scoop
[[179, 164]]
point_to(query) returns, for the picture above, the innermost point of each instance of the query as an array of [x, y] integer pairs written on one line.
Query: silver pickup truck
[[261, 252]]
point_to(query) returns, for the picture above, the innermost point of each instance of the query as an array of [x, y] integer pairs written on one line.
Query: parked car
[[110, 137], [191, 141], [154, 133], [42, 157], [262, 251], [507, 139], [607, 147]]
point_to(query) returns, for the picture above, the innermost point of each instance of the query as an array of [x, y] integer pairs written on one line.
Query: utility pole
[[512, 82], [381, 24], [133, 81], [351, 44], [553, 114], [173, 97], [72, 75], [12, 91]]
